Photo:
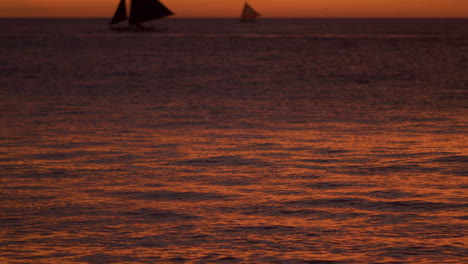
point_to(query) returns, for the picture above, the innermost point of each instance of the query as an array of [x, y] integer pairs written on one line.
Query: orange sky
[[231, 8]]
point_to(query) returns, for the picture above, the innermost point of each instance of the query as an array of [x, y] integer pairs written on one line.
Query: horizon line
[[234, 17]]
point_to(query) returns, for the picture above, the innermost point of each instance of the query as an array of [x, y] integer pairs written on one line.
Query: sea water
[[280, 141]]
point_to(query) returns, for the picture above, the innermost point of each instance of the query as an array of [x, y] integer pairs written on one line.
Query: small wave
[[152, 215], [54, 174], [428, 251], [391, 194], [262, 229], [234, 182], [73, 145], [452, 159], [234, 160], [61, 155], [372, 170], [331, 185], [392, 206], [106, 258], [167, 195]]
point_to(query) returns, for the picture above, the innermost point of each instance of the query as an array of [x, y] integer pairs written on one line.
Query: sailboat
[[140, 11], [248, 13]]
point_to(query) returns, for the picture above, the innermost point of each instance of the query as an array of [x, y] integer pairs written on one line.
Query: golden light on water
[[226, 142]]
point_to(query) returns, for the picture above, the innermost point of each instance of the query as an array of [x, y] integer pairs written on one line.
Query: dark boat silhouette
[[248, 13], [140, 11]]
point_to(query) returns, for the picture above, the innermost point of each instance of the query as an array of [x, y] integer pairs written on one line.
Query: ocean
[[279, 141]]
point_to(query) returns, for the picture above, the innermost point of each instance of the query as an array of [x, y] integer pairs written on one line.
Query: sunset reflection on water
[[274, 150], [214, 193]]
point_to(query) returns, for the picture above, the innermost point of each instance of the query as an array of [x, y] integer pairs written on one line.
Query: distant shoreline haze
[[232, 8]]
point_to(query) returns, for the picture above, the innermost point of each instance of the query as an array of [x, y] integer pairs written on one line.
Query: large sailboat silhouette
[[140, 11]]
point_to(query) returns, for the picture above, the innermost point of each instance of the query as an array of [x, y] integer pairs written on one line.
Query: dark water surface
[[282, 141]]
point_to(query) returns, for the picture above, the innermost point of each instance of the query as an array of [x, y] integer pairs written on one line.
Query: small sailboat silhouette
[[248, 13], [140, 11]]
